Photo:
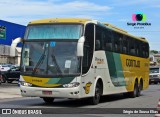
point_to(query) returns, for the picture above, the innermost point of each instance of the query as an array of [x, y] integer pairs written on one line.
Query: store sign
[[2, 32]]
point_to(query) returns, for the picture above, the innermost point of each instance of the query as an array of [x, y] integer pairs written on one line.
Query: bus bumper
[[50, 92]]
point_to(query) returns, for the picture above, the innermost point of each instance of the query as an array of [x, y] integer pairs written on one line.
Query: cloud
[[24, 11]]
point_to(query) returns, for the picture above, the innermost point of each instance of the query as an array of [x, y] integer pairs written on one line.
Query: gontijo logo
[[139, 17]]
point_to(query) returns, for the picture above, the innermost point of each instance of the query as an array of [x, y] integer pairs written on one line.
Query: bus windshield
[[55, 31], [154, 70], [50, 58]]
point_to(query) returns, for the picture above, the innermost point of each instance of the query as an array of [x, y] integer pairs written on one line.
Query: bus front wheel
[[98, 92], [48, 100]]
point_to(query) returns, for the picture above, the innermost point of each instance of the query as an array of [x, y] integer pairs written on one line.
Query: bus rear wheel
[[98, 92], [135, 92], [48, 100], [140, 88]]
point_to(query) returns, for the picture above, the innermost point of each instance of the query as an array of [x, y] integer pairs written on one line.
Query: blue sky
[[116, 12]]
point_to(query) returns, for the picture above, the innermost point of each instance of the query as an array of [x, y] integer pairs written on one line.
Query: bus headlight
[[70, 85], [25, 84]]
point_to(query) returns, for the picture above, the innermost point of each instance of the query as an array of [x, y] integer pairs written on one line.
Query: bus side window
[[97, 45], [116, 47], [88, 48], [137, 47], [145, 50], [108, 39], [108, 46], [124, 49], [118, 42], [132, 50], [99, 38], [124, 45]]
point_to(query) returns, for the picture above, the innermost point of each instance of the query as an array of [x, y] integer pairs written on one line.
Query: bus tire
[[98, 92], [140, 88], [134, 93], [48, 100]]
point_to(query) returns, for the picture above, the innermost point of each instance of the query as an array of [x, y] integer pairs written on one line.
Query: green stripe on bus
[[115, 69], [53, 81], [65, 80]]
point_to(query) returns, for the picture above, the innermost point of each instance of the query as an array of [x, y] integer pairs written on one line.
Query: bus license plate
[[47, 92]]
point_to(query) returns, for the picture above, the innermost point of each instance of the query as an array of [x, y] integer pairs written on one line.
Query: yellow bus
[[81, 58]]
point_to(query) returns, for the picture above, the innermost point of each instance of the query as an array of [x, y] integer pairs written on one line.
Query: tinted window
[[137, 48], [154, 70], [125, 44], [88, 47], [100, 32], [117, 42], [108, 40]]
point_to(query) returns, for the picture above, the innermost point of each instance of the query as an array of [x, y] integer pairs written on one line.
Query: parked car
[[154, 76], [4, 68], [11, 75]]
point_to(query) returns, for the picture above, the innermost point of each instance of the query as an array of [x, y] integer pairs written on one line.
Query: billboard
[[9, 31]]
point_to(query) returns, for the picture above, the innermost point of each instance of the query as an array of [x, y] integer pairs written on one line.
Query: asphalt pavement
[[10, 98]]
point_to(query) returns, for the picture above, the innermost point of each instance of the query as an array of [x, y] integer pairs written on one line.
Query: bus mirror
[[14, 45], [80, 46]]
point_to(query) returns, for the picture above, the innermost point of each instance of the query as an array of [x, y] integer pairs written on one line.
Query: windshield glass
[[154, 70], [55, 31], [50, 58]]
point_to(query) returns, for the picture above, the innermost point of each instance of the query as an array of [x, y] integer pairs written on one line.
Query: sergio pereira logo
[[139, 17], [139, 21]]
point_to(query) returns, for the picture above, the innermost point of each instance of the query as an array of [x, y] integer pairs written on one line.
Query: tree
[[158, 60], [154, 51]]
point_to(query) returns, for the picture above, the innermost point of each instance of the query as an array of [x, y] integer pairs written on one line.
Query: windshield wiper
[[56, 65], [41, 59]]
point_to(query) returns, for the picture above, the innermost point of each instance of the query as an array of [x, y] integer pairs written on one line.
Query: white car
[[4, 68], [154, 76]]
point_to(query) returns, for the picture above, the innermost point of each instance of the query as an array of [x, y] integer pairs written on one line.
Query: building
[[8, 32], [155, 59]]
